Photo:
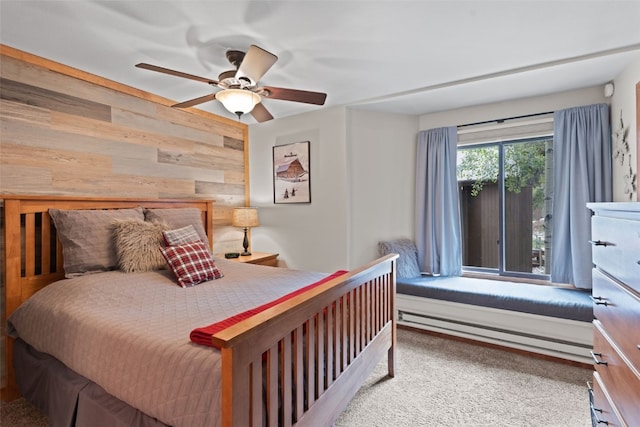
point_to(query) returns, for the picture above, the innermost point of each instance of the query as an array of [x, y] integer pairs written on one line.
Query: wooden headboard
[[33, 254]]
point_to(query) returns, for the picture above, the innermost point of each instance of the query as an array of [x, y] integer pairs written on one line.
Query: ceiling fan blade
[[195, 101], [255, 64], [176, 73], [307, 97], [260, 113]]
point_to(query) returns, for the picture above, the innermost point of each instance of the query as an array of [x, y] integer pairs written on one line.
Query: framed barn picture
[[291, 176]]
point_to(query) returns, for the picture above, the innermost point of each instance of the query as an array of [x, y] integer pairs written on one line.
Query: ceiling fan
[[240, 92]]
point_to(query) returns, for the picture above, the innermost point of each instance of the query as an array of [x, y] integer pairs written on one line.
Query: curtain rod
[[505, 119]]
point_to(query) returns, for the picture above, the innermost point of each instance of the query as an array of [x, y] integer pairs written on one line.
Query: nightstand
[[260, 258]]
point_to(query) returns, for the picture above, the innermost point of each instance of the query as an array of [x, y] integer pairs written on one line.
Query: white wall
[[362, 177], [624, 102], [382, 161], [307, 236], [361, 191], [520, 107]]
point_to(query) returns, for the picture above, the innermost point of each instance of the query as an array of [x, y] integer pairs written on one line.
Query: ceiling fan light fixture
[[238, 101], [239, 91]]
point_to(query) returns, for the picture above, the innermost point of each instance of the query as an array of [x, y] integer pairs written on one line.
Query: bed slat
[[45, 242], [30, 246], [311, 362], [330, 340], [286, 384], [272, 385], [298, 372], [320, 355], [255, 403], [345, 332], [358, 331]]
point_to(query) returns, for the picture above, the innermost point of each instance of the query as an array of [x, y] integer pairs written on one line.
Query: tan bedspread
[[129, 333]]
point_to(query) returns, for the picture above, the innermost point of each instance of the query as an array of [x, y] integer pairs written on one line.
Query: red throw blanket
[[203, 335]]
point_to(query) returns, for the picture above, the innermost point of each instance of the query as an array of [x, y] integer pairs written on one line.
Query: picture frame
[[291, 173]]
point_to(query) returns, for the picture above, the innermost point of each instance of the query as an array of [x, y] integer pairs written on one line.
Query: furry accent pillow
[[138, 245], [407, 264]]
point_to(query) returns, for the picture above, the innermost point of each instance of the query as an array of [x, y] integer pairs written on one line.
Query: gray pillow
[[180, 236], [407, 264], [87, 238], [178, 218]]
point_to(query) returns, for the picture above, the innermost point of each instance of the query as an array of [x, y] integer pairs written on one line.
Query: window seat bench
[[549, 320]]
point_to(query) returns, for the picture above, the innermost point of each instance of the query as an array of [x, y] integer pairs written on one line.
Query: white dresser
[[615, 394]]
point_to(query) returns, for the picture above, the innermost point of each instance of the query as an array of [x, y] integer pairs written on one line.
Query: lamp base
[[245, 243]]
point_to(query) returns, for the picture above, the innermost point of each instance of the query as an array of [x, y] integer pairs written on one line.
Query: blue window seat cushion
[[553, 301]]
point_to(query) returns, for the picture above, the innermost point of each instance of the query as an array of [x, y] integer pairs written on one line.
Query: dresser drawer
[[602, 410], [620, 380], [616, 248], [618, 310]]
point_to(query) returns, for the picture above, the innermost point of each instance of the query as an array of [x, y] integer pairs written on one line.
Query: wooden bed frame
[[316, 349]]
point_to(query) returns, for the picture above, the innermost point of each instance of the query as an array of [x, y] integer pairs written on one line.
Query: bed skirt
[[67, 398]]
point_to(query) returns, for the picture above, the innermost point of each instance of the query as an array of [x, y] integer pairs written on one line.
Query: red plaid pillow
[[191, 263]]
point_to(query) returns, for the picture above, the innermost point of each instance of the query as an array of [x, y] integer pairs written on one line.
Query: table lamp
[[245, 218]]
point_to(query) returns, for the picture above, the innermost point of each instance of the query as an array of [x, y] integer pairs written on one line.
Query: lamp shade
[[245, 217], [238, 101]]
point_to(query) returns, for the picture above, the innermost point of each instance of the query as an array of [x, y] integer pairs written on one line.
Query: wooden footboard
[[302, 361]]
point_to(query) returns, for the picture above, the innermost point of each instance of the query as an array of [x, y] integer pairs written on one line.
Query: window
[[505, 202]]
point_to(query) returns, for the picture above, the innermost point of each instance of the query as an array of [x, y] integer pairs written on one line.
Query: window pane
[[479, 206], [524, 206]]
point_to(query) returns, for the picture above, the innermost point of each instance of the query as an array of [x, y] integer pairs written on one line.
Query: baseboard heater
[[551, 336]]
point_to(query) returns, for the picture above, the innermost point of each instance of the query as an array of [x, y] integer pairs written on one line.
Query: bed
[[297, 361]]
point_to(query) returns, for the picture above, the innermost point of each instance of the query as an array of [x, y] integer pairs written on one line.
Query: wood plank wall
[[67, 132]]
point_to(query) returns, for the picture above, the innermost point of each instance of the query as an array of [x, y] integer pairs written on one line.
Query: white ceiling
[[411, 57]]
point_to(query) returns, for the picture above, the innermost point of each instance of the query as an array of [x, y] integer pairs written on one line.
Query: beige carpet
[[441, 382], [21, 413]]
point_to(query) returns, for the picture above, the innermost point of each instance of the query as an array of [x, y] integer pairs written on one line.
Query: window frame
[[501, 271]]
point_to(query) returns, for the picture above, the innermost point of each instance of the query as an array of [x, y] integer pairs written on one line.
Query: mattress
[[129, 333]]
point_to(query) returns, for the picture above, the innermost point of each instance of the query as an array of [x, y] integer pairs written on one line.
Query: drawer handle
[[596, 360], [599, 300], [598, 243], [594, 414]]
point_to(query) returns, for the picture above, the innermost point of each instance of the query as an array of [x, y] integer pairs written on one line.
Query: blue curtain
[[582, 174], [438, 234]]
